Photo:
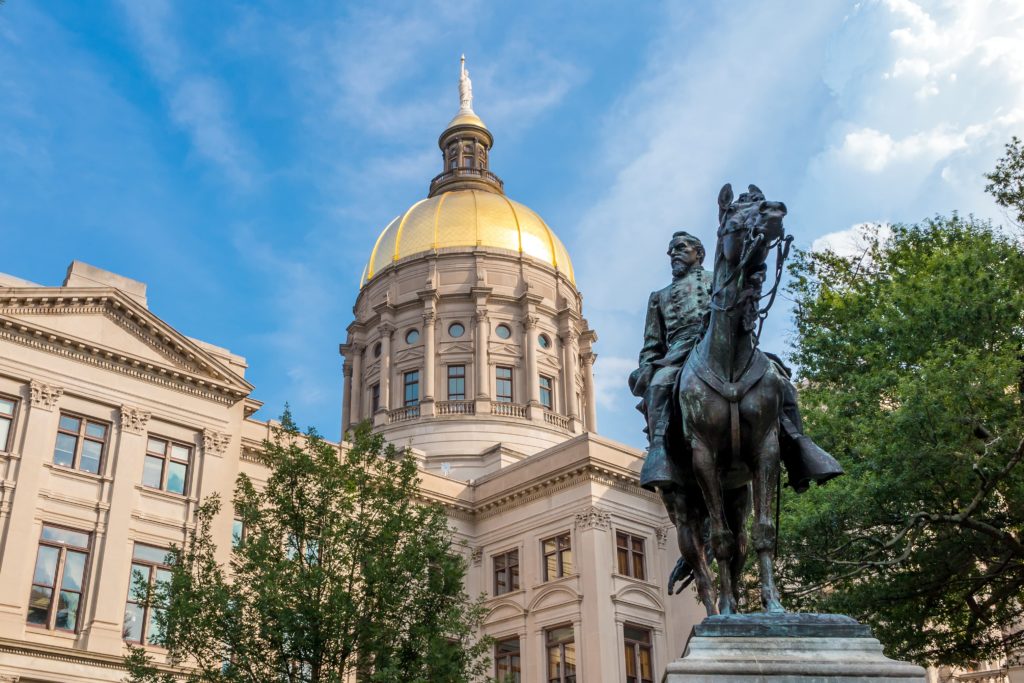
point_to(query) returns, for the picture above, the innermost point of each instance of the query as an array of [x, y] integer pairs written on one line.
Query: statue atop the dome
[[465, 88], [720, 412]]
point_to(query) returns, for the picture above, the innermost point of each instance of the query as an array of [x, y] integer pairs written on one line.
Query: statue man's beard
[[680, 270]]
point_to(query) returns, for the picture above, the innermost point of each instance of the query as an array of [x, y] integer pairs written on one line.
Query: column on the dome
[[588, 359], [355, 410], [569, 354], [346, 400], [532, 379], [386, 329], [427, 403], [480, 361]]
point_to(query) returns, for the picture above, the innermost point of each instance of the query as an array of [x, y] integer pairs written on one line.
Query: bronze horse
[[729, 399]]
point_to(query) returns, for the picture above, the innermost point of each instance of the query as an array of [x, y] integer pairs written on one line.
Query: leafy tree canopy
[[341, 571], [911, 362], [1006, 182]]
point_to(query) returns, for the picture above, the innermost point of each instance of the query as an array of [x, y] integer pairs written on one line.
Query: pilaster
[[588, 359]]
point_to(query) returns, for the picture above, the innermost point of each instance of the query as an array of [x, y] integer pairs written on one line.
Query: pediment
[[503, 610], [409, 354], [638, 597], [106, 327], [455, 347], [549, 362], [505, 349]]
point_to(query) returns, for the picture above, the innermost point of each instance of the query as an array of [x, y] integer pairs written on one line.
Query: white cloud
[[850, 242]]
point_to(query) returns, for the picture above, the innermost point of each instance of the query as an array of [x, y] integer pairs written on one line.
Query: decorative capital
[[134, 420], [481, 315], [530, 322], [429, 318], [477, 556], [662, 533], [44, 395], [588, 358], [386, 329], [215, 443], [593, 518]]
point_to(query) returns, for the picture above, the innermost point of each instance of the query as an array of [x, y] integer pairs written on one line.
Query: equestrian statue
[[722, 414]]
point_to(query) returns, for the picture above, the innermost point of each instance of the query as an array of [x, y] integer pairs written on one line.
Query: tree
[[1006, 182], [341, 571], [911, 364]]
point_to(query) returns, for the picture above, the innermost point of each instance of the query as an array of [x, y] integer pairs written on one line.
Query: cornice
[[73, 656]]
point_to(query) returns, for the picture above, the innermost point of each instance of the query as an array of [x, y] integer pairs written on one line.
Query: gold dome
[[468, 218]]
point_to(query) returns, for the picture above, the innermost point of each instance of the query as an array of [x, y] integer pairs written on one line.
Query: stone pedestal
[[787, 648]]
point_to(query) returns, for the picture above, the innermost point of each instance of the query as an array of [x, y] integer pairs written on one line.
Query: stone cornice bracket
[[477, 556], [593, 518], [44, 395], [662, 533], [215, 443], [134, 420]]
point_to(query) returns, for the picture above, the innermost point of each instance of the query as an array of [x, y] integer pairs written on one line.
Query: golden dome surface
[[468, 218]]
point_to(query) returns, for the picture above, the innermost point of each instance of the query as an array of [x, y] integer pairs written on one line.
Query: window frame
[[12, 420], [167, 459], [562, 547], [628, 558], [510, 561], [406, 385], [632, 653], [457, 396], [152, 568], [562, 676], [513, 669], [81, 436], [550, 389], [499, 396], [57, 588], [374, 397]]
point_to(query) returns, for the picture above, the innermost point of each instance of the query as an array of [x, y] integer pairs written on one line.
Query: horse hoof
[[775, 607]]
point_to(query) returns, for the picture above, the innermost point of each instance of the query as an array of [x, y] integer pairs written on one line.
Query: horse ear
[[754, 189], [725, 197]]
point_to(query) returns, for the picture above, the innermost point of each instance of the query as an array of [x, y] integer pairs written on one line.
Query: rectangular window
[[150, 568], [630, 551], [412, 388], [639, 668], [166, 465], [237, 533], [506, 661], [561, 655], [546, 392], [503, 384], [557, 556], [80, 443], [58, 582], [374, 398], [456, 382], [506, 572], [6, 421]]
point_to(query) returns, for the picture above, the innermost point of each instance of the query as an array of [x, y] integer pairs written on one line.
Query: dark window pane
[[67, 611], [153, 632], [176, 472], [71, 424], [623, 556], [133, 615], [74, 571], [64, 451], [236, 533], [567, 567], [550, 567], [96, 430], [75, 539], [153, 471], [139, 585], [638, 567], [456, 330], [90, 460], [46, 566], [39, 605]]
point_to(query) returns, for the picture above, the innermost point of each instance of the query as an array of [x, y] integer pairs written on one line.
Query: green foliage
[[911, 368], [342, 571], [1007, 181]]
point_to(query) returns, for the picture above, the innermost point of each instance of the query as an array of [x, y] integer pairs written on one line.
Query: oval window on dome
[[456, 330], [376, 350], [503, 331], [412, 336], [544, 341]]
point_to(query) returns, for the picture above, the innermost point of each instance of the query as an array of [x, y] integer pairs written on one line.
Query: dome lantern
[[465, 148]]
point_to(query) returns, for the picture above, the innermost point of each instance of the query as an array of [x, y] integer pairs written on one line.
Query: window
[[412, 388], [412, 336], [544, 341], [546, 392], [561, 655], [470, 162], [630, 551], [456, 382], [557, 556], [80, 443], [58, 582], [503, 384], [503, 331], [237, 533], [150, 569], [456, 330], [638, 655], [376, 350], [6, 420], [506, 661], [375, 398], [166, 465], [506, 572]]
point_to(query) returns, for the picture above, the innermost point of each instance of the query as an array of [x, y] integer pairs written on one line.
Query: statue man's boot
[[804, 460]]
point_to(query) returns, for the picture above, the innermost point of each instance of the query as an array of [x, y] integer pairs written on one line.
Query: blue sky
[[241, 157]]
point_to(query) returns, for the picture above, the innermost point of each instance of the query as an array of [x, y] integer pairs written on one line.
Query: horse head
[[750, 213]]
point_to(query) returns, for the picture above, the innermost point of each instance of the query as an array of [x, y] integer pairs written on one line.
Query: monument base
[[786, 648]]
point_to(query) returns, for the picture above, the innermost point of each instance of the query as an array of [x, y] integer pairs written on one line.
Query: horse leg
[[691, 544], [766, 471], [723, 542], [737, 510]]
